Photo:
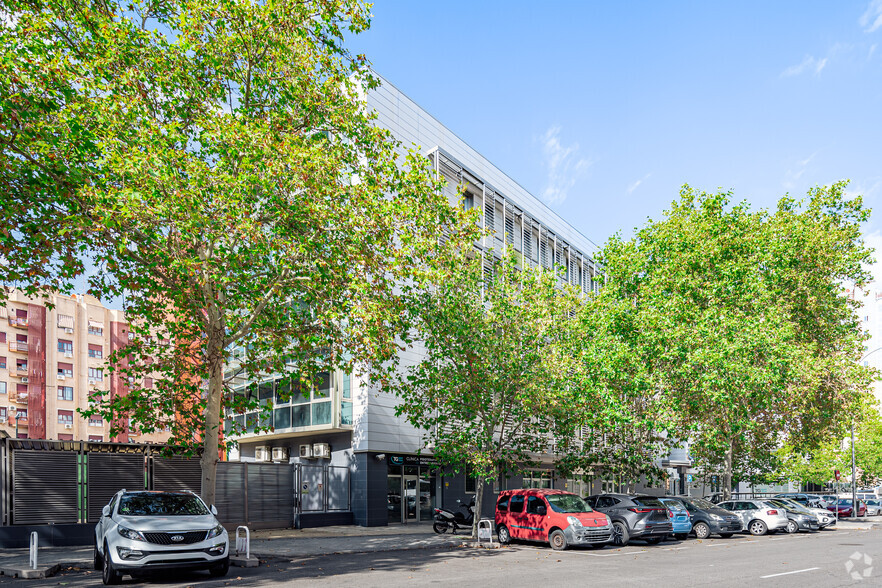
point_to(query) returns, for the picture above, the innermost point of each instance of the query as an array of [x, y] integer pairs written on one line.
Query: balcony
[[19, 398], [18, 346], [21, 323]]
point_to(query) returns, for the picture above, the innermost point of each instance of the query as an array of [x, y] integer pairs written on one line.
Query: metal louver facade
[[45, 487], [108, 473], [177, 473]]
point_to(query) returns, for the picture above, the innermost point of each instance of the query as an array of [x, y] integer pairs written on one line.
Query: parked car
[[708, 519], [825, 517], [682, 526], [874, 507], [845, 508], [810, 500], [554, 516], [142, 532], [757, 516], [801, 519], [828, 500], [634, 517]]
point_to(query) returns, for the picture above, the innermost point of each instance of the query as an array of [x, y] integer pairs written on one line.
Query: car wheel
[[109, 575], [620, 534], [757, 528], [726, 535], [702, 531], [220, 570], [558, 540], [503, 535], [98, 563], [653, 540], [792, 527], [440, 527]]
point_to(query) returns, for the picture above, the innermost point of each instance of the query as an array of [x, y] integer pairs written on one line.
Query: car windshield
[[873, 502], [845, 501], [567, 503], [702, 503], [161, 505]]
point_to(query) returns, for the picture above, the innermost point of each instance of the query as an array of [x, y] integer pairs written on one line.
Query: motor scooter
[[449, 520]]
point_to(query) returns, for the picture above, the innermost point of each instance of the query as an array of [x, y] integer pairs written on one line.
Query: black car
[[709, 519], [634, 517]]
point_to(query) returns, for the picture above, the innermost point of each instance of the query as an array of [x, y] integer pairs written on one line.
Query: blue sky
[[605, 109]]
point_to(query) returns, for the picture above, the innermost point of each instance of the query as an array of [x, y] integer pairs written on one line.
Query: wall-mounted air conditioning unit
[[68, 426], [306, 451], [68, 330], [60, 377], [261, 453], [280, 454], [68, 353], [24, 380], [2, 419], [321, 450]]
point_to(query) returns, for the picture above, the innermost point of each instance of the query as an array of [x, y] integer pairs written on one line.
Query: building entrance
[[411, 489]]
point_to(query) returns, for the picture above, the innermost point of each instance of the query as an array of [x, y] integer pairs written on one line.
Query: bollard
[[33, 550], [485, 531], [243, 543]]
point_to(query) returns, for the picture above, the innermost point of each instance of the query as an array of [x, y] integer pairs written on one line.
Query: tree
[[492, 389], [742, 321], [215, 164]]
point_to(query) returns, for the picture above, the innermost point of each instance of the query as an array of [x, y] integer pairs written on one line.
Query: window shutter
[[65, 321]]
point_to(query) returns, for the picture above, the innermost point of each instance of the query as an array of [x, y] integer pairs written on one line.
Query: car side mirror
[[541, 511], [105, 512], [214, 510]]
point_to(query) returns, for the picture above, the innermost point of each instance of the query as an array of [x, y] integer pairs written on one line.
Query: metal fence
[[43, 482]]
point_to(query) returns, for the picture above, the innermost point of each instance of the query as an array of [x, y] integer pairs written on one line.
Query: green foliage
[[741, 323], [216, 164]]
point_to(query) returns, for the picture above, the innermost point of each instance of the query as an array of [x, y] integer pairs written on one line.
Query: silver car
[[801, 519], [825, 517], [757, 516], [874, 507], [142, 532]]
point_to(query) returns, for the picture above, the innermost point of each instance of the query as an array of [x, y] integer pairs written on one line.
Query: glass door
[[427, 495], [393, 498], [410, 498]]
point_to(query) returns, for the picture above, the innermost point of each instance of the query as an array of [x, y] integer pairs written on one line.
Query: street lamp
[[854, 506]]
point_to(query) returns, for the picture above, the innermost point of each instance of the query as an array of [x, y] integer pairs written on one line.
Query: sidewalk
[[264, 543]]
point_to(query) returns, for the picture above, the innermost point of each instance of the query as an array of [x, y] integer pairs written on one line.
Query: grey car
[[874, 507], [142, 532], [800, 518], [709, 519], [758, 517], [634, 517], [825, 517]]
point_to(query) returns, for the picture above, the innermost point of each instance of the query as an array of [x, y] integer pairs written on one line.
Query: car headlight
[[130, 534], [716, 517], [216, 532], [574, 521]]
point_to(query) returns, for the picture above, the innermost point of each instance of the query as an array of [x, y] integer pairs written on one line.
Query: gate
[[321, 488]]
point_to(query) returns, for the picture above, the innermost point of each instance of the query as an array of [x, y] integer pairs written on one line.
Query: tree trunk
[[726, 482], [211, 434], [479, 499]]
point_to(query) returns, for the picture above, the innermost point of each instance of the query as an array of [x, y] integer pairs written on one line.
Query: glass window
[[300, 393], [98, 331], [345, 413], [65, 392], [283, 391], [266, 420], [502, 506], [347, 386], [142, 504], [96, 373], [537, 479], [96, 351], [2, 363], [265, 392], [96, 438], [65, 417], [321, 413], [517, 503], [65, 346], [533, 504], [2, 387], [2, 412], [250, 421], [301, 415], [282, 417], [96, 421]]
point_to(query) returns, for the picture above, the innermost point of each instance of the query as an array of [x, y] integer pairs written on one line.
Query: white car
[[141, 532], [757, 516]]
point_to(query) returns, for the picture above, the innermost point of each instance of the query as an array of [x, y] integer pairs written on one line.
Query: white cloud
[[634, 185], [791, 178], [563, 165], [871, 19], [808, 64]]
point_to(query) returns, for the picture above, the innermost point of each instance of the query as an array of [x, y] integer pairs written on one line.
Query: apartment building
[[51, 359]]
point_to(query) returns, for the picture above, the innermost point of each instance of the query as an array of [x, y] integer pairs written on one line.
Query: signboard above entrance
[[412, 460]]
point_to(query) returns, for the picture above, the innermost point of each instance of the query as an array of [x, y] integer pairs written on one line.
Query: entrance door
[[411, 498], [393, 498], [427, 494]]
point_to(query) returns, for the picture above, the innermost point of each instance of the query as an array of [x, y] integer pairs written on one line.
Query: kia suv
[[142, 532]]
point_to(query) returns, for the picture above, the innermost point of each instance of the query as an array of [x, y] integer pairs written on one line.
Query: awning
[[65, 321], [96, 324]]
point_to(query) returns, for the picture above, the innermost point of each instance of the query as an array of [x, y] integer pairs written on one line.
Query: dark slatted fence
[[110, 472], [45, 487], [177, 473]]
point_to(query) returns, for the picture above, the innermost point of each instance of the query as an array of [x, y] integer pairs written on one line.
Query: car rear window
[[147, 505], [648, 502]]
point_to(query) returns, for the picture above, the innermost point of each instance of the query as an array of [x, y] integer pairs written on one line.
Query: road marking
[[714, 544], [614, 554], [674, 548], [788, 573]]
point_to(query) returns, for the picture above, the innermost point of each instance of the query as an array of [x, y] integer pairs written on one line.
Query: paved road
[[805, 560]]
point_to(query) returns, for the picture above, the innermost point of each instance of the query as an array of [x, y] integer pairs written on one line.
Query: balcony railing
[[18, 322], [19, 346], [21, 368], [20, 398]]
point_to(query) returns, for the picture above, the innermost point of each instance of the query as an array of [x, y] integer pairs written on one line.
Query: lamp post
[[854, 505]]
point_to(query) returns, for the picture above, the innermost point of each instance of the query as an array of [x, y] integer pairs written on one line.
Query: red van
[[553, 516]]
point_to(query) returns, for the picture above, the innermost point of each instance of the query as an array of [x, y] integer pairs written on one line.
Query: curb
[[448, 543]]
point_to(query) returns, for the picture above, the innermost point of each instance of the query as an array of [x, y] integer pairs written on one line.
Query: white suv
[[141, 532]]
